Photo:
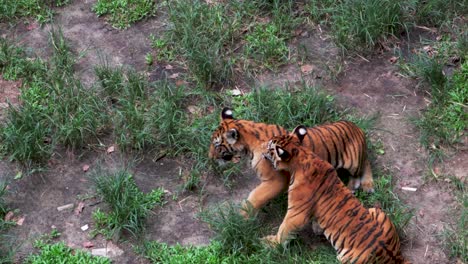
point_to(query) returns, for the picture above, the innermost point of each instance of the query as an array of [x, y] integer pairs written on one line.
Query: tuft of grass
[[55, 107], [385, 198], [129, 207], [264, 45], [122, 13], [60, 253], [436, 13], [237, 240], [235, 233], [158, 252], [288, 106], [359, 25], [201, 32], [40, 10], [456, 237], [443, 123]]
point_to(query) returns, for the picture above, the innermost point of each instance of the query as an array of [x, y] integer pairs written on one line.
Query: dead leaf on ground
[[85, 168], [79, 208], [307, 68], [19, 221], [110, 149], [32, 26], [180, 82], [169, 67]]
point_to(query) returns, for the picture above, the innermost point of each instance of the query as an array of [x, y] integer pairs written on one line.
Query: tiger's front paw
[[270, 240]]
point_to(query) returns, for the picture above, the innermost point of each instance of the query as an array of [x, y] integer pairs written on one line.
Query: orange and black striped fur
[[359, 235], [342, 144]]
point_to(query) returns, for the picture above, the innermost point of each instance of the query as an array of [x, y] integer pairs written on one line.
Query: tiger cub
[[342, 144], [359, 235]]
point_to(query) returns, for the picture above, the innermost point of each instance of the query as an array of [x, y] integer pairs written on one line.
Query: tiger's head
[[281, 149], [225, 145]]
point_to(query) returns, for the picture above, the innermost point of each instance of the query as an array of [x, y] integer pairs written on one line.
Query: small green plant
[[235, 233], [128, 205], [164, 51], [122, 13], [60, 253], [264, 45]]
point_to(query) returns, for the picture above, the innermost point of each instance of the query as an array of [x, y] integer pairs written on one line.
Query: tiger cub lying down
[[342, 144], [359, 235]]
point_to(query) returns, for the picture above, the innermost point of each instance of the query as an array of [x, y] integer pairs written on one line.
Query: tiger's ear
[[231, 136], [300, 132], [227, 113], [283, 154]]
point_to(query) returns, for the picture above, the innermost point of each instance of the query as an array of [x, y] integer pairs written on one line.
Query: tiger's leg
[[273, 183], [367, 182], [293, 221]]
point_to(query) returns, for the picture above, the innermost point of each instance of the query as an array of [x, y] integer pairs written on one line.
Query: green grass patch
[[359, 25], [128, 206], [456, 236], [387, 199], [215, 41], [60, 253], [40, 10], [237, 240], [436, 13], [443, 123], [122, 13], [55, 108]]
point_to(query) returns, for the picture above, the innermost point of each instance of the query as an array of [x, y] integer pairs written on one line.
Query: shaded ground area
[[368, 86]]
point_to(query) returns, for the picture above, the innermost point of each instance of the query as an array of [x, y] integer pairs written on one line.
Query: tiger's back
[[359, 235]]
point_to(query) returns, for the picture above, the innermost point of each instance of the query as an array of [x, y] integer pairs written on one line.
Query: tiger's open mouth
[[227, 156]]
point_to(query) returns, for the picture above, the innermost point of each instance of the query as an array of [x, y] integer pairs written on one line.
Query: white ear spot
[[280, 151], [302, 131], [228, 112]]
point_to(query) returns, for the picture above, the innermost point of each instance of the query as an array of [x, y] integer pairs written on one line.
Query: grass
[[437, 13], [60, 253], [55, 107], [128, 206], [359, 25], [237, 240], [456, 236], [211, 40], [386, 198], [122, 13], [7, 250], [40, 10], [443, 123]]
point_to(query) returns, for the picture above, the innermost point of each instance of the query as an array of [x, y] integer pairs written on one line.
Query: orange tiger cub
[[359, 235], [342, 144]]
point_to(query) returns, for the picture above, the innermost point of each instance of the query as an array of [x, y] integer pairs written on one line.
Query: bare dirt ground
[[368, 86]]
